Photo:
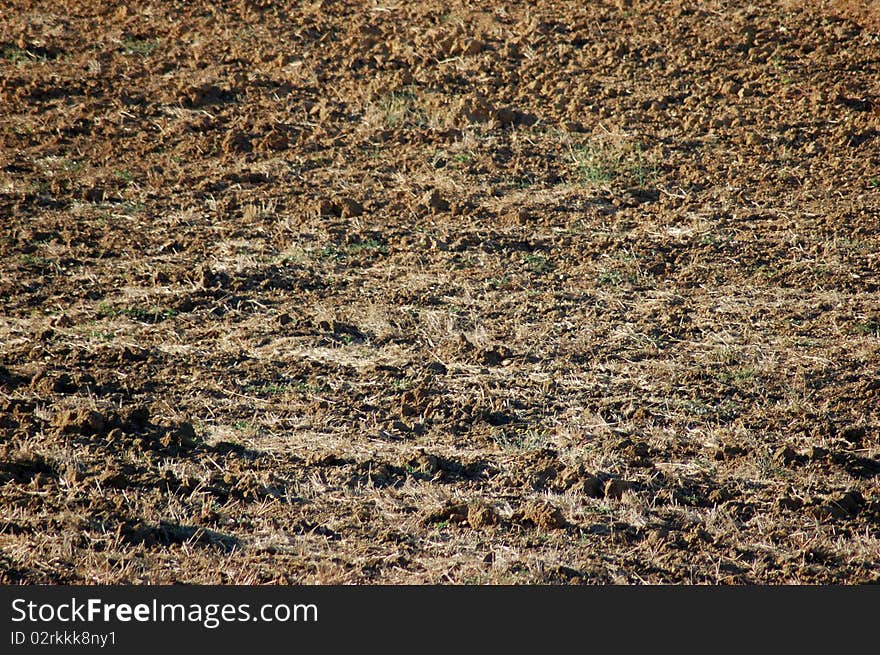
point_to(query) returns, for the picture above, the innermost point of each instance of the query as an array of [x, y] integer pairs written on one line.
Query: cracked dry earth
[[409, 292]]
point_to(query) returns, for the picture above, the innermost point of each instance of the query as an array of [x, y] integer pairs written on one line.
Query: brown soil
[[413, 293]]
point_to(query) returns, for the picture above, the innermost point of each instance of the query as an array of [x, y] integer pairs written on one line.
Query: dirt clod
[[545, 516], [451, 512], [433, 200], [349, 207], [481, 516], [236, 142], [137, 416], [615, 488], [839, 506], [787, 455]]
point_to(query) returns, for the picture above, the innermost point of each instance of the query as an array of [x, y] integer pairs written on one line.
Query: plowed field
[[413, 292]]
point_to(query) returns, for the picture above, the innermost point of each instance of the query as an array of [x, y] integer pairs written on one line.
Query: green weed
[[538, 264], [267, 389], [870, 328], [520, 440], [142, 47], [401, 107], [605, 160], [141, 314], [19, 56]]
